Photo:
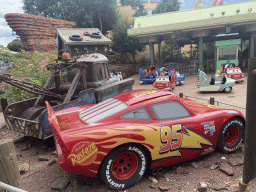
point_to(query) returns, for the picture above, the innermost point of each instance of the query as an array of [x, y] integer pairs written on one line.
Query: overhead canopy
[[237, 19]]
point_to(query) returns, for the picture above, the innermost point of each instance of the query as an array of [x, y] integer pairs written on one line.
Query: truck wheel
[[76, 37], [227, 89], [231, 135], [95, 35], [123, 167]]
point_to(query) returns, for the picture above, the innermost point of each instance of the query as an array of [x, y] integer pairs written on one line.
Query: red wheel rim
[[231, 135], [124, 165]]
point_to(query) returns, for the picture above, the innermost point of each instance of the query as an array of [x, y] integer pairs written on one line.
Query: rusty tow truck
[[88, 81]]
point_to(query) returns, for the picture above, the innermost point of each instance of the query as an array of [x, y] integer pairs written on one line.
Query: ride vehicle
[[221, 83], [165, 82], [84, 81], [179, 78], [146, 80], [120, 138], [234, 72]]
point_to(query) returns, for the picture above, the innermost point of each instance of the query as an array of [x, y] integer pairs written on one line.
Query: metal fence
[[217, 103]]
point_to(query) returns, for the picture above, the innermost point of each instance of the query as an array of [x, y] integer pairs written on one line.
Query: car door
[[180, 137]]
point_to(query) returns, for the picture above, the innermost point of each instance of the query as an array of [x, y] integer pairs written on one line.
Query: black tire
[[96, 35], [76, 38], [87, 33], [227, 89], [231, 135], [177, 83], [130, 172]]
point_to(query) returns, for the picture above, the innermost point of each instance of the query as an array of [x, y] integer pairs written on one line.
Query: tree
[[136, 5], [167, 6], [123, 44], [100, 14], [15, 45]]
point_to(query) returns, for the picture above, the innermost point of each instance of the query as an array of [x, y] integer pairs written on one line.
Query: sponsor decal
[[143, 93], [111, 182], [143, 167], [209, 127], [83, 153], [177, 137], [206, 151]]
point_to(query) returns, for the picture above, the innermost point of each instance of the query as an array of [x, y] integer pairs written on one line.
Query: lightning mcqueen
[[119, 138]]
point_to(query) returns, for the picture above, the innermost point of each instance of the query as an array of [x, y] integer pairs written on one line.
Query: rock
[[37, 33], [34, 153], [153, 186], [60, 183], [235, 162], [181, 170], [217, 187], [54, 153], [162, 188], [227, 169], [24, 148], [153, 180], [194, 164], [202, 186], [43, 158], [214, 166], [52, 161], [24, 168]]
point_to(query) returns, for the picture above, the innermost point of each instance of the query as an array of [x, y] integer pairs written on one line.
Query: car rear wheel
[[177, 83], [124, 167], [231, 135], [227, 89]]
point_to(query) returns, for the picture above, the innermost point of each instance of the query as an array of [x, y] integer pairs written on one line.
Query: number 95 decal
[[171, 137]]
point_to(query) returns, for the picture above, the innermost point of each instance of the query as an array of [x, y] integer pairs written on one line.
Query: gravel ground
[[41, 175]]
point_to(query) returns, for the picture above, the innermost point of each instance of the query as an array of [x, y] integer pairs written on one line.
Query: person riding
[[228, 65]]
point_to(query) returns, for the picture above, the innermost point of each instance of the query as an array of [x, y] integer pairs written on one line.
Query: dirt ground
[[41, 174]]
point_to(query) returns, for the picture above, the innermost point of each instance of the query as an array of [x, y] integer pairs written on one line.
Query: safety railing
[[213, 102], [8, 188]]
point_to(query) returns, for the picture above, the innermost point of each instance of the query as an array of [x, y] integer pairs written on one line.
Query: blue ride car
[[146, 80]]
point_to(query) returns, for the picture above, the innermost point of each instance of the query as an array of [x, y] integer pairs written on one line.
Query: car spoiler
[[54, 123]]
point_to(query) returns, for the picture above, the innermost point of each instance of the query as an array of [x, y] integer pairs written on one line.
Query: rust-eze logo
[[143, 93], [83, 153]]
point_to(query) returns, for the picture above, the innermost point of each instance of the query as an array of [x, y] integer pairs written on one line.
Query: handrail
[[9, 188]]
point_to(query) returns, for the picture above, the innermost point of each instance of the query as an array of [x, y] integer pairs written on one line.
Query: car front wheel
[[227, 89], [231, 135], [124, 167]]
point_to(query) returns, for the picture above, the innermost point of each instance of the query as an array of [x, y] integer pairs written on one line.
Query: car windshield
[[234, 71], [162, 79], [102, 110]]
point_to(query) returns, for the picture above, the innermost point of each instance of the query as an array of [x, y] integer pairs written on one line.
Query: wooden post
[[181, 95], [9, 170]]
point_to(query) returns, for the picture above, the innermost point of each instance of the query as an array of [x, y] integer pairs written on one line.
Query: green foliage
[[167, 6], [28, 68], [136, 5], [15, 45], [170, 51], [100, 14], [125, 45]]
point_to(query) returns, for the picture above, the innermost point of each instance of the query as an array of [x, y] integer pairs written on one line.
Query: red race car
[[233, 72], [165, 82], [119, 138]]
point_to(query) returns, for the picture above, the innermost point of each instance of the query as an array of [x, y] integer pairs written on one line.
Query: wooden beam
[[9, 170]]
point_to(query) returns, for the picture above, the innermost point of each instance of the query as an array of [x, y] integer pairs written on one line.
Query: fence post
[[9, 170], [212, 100], [181, 95]]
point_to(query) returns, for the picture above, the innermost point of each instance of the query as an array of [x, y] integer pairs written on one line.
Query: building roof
[[180, 22], [65, 33]]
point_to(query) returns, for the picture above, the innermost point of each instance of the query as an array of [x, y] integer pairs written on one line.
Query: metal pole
[[181, 95], [152, 53], [212, 100], [10, 188], [249, 169], [201, 54], [252, 45]]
